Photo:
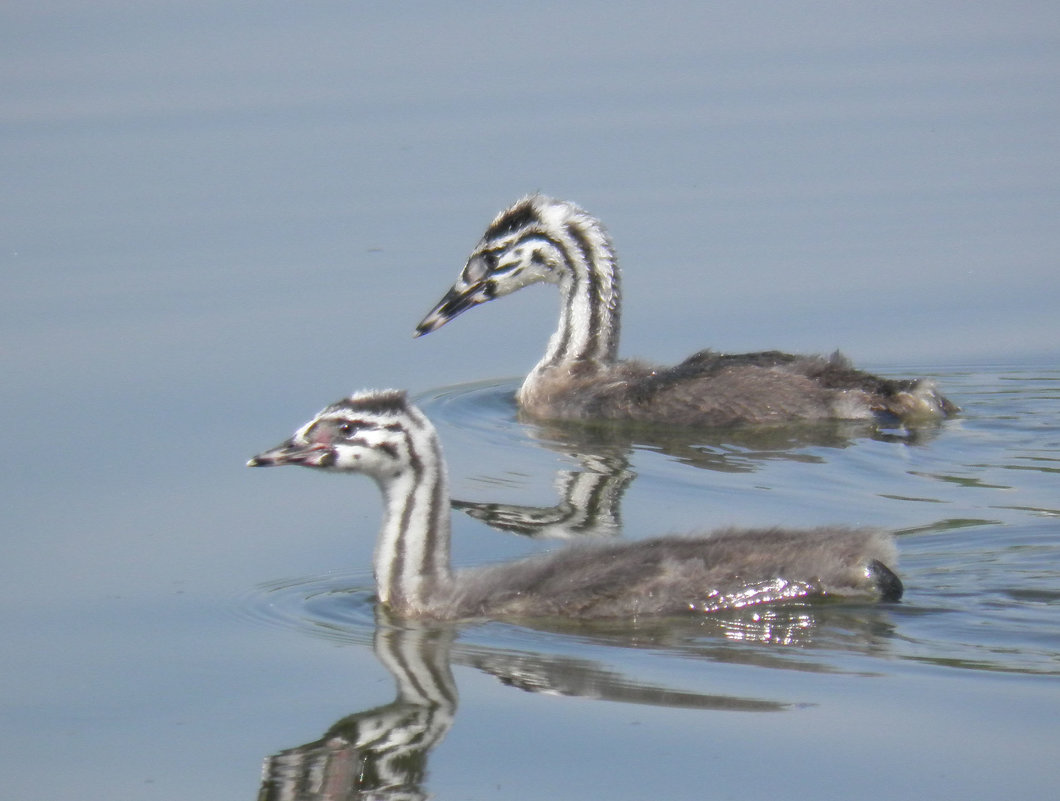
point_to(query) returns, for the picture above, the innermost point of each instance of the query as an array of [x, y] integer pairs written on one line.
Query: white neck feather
[[412, 553], [589, 285]]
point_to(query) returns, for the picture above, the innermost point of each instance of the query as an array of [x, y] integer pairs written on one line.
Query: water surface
[[974, 639], [217, 219]]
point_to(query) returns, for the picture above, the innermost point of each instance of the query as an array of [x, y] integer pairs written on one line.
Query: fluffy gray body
[[677, 575], [541, 239], [380, 435], [712, 389]]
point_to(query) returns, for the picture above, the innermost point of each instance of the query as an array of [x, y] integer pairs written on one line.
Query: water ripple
[[983, 578], [337, 606]]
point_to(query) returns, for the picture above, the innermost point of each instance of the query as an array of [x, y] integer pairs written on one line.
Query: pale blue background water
[[218, 218]]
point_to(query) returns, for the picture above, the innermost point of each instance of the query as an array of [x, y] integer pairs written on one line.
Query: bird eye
[[349, 428]]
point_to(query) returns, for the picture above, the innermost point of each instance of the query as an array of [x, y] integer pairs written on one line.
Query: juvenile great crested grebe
[[581, 377], [383, 436]]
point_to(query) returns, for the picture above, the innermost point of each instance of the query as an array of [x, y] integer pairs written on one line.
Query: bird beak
[[293, 452], [456, 301]]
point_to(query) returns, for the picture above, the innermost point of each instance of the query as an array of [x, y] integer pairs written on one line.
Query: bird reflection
[[590, 497], [589, 502], [725, 450], [382, 753]]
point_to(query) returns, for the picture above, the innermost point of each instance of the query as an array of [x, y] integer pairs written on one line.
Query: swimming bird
[[580, 377], [382, 435]]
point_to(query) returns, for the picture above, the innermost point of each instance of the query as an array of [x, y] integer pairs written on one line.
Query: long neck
[[412, 554], [590, 299]]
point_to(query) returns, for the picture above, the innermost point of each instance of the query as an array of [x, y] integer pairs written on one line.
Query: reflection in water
[[726, 450], [487, 410], [983, 581], [382, 752], [589, 505], [590, 497]]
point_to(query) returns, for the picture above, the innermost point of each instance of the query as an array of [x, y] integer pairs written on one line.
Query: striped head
[[537, 239], [370, 432]]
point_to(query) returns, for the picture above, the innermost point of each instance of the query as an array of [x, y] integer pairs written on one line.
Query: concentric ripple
[[337, 606]]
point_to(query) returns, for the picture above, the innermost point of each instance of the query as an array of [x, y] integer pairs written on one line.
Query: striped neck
[[412, 553], [590, 503], [589, 283]]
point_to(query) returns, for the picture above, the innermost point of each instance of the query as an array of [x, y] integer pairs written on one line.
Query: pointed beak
[[292, 452], [456, 301]]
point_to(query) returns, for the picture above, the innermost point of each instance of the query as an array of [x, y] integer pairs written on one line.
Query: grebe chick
[[383, 436], [580, 377]]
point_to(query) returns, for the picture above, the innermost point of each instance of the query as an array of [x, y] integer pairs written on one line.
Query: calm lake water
[[955, 687], [218, 219]]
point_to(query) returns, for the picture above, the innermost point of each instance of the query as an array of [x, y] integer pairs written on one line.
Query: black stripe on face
[[388, 402], [519, 216], [387, 448]]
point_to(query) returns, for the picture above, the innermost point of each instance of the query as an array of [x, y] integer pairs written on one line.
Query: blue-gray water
[[218, 219]]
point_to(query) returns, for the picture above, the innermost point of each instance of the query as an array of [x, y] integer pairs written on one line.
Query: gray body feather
[[381, 435], [580, 377], [678, 575]]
